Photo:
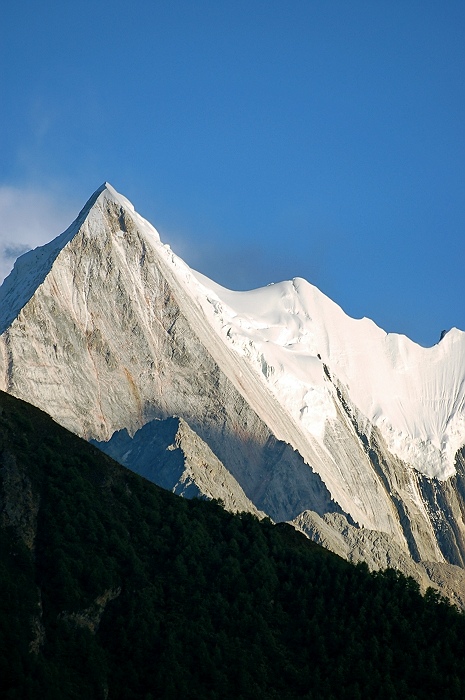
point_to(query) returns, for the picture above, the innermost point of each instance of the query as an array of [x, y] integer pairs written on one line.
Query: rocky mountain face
[[274, 411], [169, 453]]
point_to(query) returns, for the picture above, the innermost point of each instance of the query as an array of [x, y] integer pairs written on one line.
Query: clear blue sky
[[264, 140]]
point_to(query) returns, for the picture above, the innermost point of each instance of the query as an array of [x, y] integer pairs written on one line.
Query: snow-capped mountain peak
[[106, 329], [290, 332]]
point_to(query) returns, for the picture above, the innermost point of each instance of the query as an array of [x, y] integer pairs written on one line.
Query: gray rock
[[171, 455]]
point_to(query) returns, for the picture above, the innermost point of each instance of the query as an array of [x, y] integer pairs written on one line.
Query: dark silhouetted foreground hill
[[113, 588]]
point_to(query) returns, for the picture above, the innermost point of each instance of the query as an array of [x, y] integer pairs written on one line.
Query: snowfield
[[290, 331]]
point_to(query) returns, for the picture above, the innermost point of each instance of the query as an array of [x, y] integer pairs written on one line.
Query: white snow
[[289, 330], [414, 395]]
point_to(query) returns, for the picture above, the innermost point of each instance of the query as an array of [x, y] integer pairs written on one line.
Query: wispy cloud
[[29, 217]]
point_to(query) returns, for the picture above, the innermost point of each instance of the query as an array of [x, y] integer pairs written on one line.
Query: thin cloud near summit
[[29, 217]]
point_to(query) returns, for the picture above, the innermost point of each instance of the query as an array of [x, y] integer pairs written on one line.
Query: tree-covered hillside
[[113, 588]]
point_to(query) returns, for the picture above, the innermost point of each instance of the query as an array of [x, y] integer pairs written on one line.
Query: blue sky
[[264, 140]]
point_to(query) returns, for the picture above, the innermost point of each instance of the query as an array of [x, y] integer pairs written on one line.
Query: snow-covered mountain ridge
[[107, 329], [415, 395]]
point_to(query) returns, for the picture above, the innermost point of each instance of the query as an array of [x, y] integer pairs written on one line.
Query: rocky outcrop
[[379, 552], [171, 455], [90, 617]]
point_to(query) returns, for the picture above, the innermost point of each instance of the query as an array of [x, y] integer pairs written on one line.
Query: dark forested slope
[[113, 588]]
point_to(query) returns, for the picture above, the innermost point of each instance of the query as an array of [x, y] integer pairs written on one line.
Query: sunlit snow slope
[[414, 395]]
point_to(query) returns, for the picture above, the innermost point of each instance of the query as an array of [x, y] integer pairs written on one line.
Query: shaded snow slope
[[31, 269]]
